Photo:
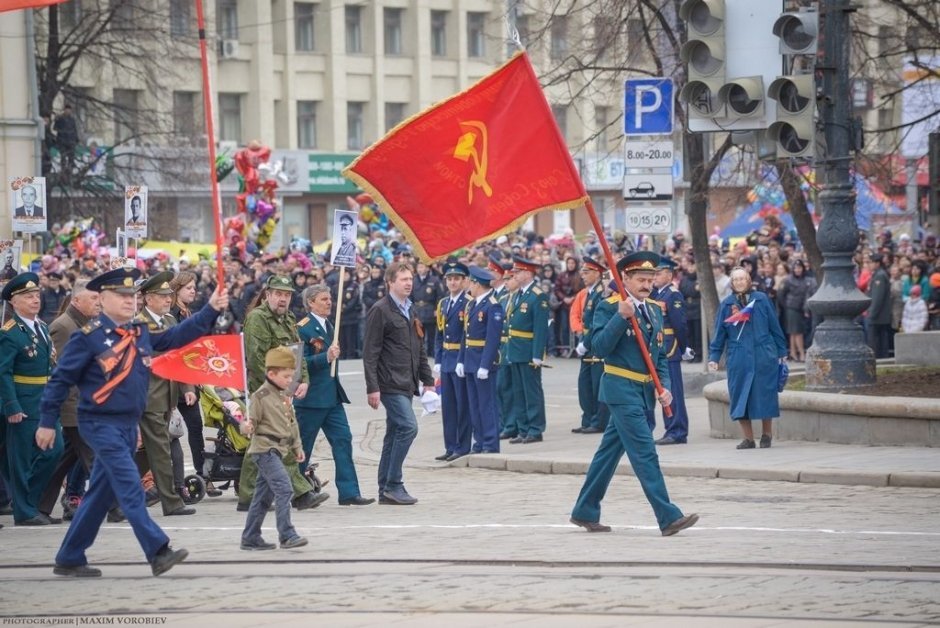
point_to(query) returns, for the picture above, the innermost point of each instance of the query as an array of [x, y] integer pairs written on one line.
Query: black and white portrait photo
[[344, 239], [10, 254], [135, 211], [28, 199]]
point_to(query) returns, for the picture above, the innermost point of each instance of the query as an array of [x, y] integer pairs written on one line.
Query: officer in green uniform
[[26, 360], [162, 396], [270, 325], [627, 389], [594, 413], [503, 288], [527, 318]]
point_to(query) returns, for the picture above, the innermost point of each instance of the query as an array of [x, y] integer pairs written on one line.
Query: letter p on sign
[[648, 106]]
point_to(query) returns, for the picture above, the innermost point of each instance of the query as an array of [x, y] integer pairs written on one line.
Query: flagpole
[[339, 314], [210, 132]]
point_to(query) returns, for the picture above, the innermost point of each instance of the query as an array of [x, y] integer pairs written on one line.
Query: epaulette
[[10, 324], [493, 300], [91, 326], [672, 288], [614, 298], [536, 290], [303, 321], [262, 393], [654, 302]]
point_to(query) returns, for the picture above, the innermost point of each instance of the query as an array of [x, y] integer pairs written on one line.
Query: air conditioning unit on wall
[[228, 48]]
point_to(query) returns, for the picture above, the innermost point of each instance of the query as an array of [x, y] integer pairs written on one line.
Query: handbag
[[176, 427], [783, 373]]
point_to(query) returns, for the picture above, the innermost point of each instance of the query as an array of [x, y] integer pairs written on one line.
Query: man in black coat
[[879, 311]]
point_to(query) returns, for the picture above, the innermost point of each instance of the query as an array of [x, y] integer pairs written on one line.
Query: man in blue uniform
[[527, 318], [455, 413], [26, 359], [479, 357], [675, 329], [109, 360], [627, 389], [322, 406], [594, 414]]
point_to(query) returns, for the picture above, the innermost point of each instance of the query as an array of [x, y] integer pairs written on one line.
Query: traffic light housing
[[743, 97], [794, 130], [798, 32], [704, 54]]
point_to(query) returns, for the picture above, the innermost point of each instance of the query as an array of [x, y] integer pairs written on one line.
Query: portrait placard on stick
[[344, 251], [28, 200], [11, 252], [135, 211]]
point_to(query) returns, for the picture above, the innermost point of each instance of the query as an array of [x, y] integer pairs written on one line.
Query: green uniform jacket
[[163, 394], [614, 341], [25, 364], [528, 325], [324, 391], [272, 415], [594, 296], [504, 298], [263, 331]]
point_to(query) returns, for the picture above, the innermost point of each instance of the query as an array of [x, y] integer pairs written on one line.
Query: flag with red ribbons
[[207, 361]]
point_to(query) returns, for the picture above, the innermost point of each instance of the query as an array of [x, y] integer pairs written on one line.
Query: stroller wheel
[[195, 487]]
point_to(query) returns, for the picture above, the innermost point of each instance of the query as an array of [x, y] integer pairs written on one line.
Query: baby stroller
[[224, 409]]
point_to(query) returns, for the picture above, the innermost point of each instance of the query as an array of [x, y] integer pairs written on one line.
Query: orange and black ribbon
[[121, 361]]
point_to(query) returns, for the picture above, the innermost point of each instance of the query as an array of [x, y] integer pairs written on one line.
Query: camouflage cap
[[277, 282]]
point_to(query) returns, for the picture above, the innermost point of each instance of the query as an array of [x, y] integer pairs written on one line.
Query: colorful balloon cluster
[[79, 237], [300, 250], [370, 216], [258, 207]]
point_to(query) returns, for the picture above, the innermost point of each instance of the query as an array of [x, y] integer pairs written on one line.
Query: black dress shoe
[[517, 439], [454, 456], [38, 520], [166, 558], [443, 456], [765, 441], [577, 430], [76, 571], [6, 509], [686, 521], [116, 515], [591, 430], [531, 439], [310, 500], [747, 443], [669, 440], [358, 500], [182, 510], [506, 435], [52, 520], [590, 526], [243, 507]]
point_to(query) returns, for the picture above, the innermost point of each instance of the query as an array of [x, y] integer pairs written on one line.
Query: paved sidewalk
[[567, 453]]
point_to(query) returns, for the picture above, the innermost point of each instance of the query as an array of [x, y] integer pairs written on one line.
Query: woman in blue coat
[[747, 325]]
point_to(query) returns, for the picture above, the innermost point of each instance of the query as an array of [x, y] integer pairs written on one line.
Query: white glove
[[483, 373], [689, 355], [436, 371], [537, 361], [580, 349], [459, 370]]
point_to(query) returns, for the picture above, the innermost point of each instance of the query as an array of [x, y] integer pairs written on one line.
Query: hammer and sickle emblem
[[466, 150]]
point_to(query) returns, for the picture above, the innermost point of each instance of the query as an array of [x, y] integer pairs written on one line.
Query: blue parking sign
[[648, 106]]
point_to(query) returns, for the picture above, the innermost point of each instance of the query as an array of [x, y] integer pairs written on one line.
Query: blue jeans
[[401, 428], [273, 484], [114, 475]]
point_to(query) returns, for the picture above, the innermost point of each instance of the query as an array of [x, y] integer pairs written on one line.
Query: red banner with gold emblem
[[207, 361], [473, 166]]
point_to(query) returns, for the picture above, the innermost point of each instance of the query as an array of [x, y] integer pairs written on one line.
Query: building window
[[306, 124], [393, 37], [602, 123], [353, 29], [354, 121], [887, 39], [70, 14], [561, 119], [227, 18], [394, 114], [180, 18], [438, 33], [524, 30], [230, 117], [559, 38], [125, 115], [122, 15], [187, 115], [303, 27], [476, 46]]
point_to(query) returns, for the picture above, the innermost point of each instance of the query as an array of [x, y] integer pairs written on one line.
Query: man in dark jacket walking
[[879, 312], [395, 365]]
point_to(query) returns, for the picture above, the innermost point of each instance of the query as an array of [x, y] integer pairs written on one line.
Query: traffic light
[[743, 97], [704, 54], [794, 130], [798, 32]]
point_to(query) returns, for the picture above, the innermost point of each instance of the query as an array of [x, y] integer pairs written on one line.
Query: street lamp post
[[839, 358]]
